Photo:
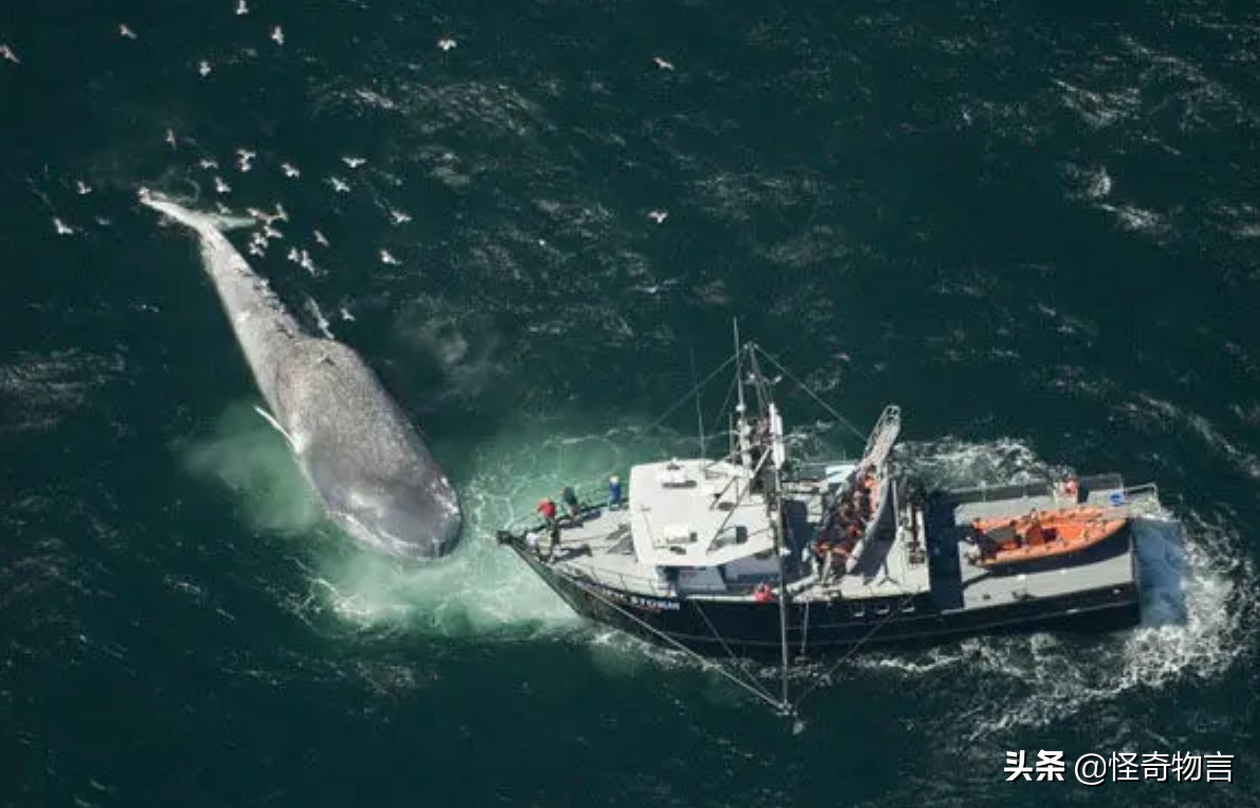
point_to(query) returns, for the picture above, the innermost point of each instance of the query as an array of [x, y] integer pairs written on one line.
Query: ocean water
[[1032, 225]]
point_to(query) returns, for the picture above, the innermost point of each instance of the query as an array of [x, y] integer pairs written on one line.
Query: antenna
[[696, 388]]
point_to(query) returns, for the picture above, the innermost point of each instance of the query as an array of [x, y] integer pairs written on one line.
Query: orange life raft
[[1042, 535]]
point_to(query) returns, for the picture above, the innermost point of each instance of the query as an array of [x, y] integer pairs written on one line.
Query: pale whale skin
[[357, 448]]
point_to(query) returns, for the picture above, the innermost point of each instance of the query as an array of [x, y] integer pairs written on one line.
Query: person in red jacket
[[548, 509]]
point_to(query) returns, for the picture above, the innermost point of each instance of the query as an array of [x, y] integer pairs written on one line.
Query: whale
[[360, 453]]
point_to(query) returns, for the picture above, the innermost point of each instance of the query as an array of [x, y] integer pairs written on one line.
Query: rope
[[777, 705], [818, 683], [718, 636], [812, 395]]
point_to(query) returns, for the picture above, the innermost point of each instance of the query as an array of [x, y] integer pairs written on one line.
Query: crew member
[[569, 496], [614, 493], [548, 509], [762, 593], [555, 539]]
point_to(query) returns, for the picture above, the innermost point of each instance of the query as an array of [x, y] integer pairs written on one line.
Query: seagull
[[170, 137], [63, 229], [277, 35], [293, 255], [658, 216], [353, 162], [83, 188], [446, 43], [399, 217], [339, 185], [208, 163], [204, 68], [243, 158], [307, 264], [386, 258], [125, 32], [281, 213], [223, 209], [241, 8], [662, 64], [289, 170], [220, 186], [319, 237], [271, 232], [346, 315], [254, 249], [8, 53]]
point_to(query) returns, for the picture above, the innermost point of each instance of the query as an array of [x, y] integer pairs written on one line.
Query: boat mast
[[741, 410], [770, 425], [699, 411]]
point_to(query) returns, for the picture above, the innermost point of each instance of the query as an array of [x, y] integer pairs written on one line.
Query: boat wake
[[1198, 613]]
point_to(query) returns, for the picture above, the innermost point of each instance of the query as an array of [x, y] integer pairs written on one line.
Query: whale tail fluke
[[194, 219]]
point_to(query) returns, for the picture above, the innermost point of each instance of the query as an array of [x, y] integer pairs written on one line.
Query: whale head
[[402, 518]]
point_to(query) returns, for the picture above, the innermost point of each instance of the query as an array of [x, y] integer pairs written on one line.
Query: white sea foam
[[1037, 679], [482, 589]]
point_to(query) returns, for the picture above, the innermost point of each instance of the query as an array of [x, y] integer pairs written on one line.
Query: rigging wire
[[830, 410], [706, 663], [689, 394], [718, 636], [826, 676]]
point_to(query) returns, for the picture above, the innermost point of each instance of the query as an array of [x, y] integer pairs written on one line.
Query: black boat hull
[[825, 630]]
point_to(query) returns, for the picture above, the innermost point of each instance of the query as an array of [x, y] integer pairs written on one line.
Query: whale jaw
[[419, 545], [399, 518]]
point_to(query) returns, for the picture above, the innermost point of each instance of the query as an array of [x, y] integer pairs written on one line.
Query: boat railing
[[1035, 488], [586, 504], [628, 583]]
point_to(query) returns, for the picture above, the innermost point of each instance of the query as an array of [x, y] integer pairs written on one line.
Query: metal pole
[[699, 411]]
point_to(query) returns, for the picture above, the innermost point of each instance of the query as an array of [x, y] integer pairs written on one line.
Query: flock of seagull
[[261, 238]]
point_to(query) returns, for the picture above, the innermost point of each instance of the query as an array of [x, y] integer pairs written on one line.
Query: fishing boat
[[756, 554]]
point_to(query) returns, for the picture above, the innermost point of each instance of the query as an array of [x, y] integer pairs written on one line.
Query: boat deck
[[912, 551], [957, 583], [600, 549]]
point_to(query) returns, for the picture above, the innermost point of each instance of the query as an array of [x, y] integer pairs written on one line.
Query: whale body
[[355, 446]]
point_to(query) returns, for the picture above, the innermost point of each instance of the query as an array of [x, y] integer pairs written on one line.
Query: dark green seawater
[[1031, 224]]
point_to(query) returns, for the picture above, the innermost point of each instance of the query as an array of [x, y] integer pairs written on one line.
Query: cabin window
[[907, 608], [883, 609], [859, 610]]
